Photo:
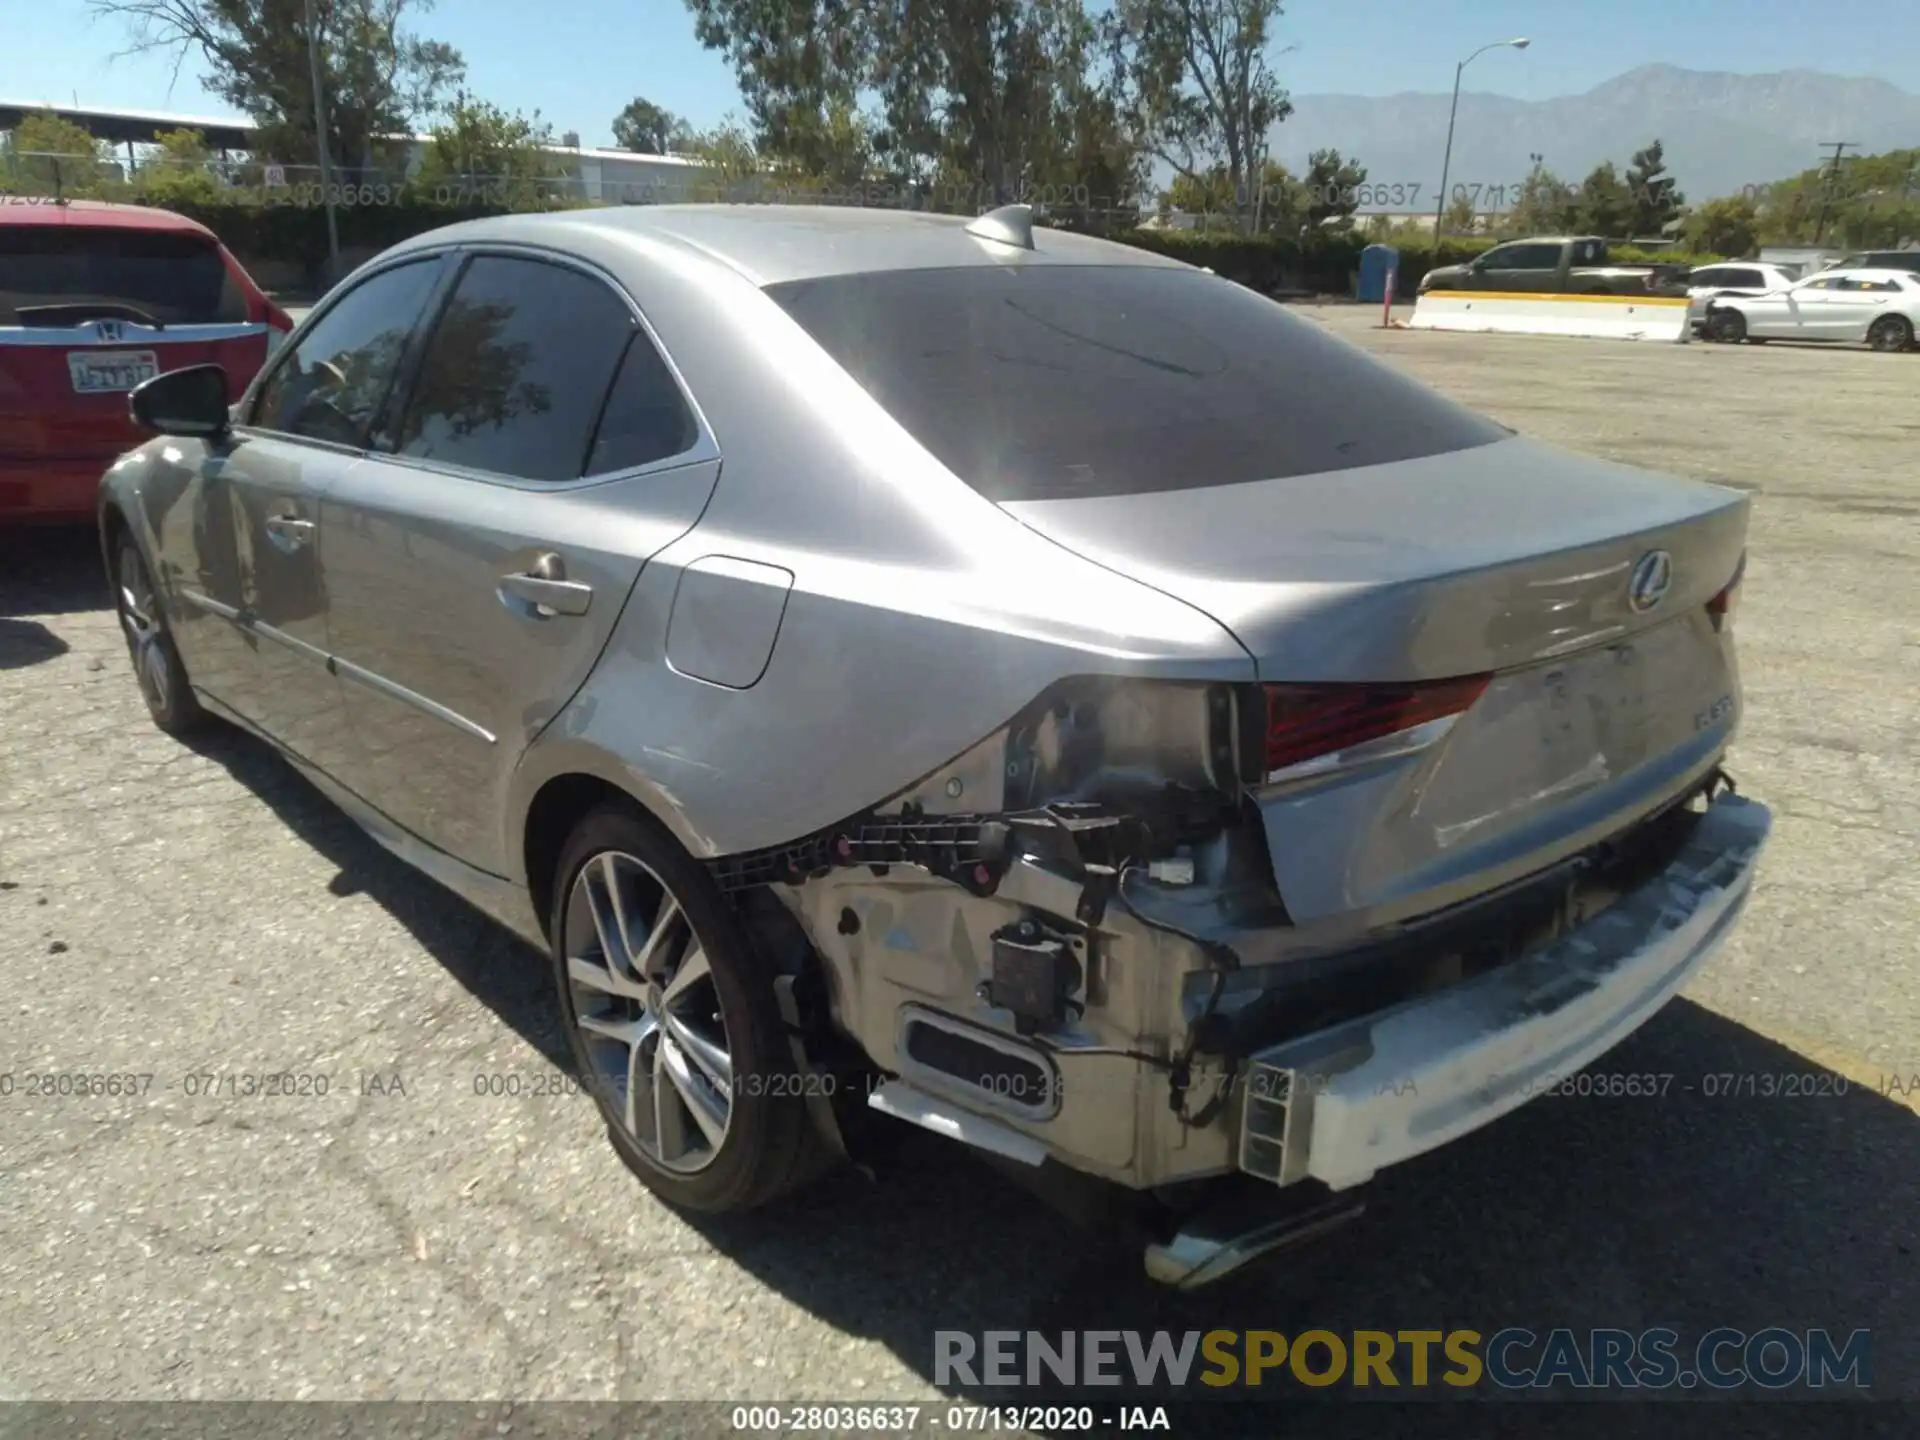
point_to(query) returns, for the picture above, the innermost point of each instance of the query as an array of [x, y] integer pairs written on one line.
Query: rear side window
[[646, 417], [517, 369], [50, 274], [1054, 382], [332, 383], [1541, 257]]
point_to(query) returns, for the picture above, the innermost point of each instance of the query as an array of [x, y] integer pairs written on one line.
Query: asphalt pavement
[[440, 1217]]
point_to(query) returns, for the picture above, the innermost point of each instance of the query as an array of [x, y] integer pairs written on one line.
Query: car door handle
[[546, 594], [289, 531]]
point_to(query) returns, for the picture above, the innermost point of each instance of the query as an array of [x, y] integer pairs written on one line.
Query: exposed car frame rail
[[974, 849]]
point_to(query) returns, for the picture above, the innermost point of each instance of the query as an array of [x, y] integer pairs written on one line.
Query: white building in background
[[607, 177]]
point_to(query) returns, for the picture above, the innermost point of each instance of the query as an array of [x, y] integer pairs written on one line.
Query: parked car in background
[[94, 299], [1877, 260], [1005, 733], [1880, 308], [1574, 265], [1746, 277]]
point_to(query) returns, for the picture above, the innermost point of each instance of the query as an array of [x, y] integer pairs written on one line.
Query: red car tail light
[[1315, 729], [1722, 605]]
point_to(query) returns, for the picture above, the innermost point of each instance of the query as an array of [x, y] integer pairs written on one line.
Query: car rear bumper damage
[[1338, 1105]]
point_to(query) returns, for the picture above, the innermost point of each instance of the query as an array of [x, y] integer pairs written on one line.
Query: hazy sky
[[579, 61]]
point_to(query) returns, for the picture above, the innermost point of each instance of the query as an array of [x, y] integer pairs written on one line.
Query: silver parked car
[[969, 673]]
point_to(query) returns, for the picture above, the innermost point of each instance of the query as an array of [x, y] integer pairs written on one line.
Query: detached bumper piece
[[1339, 1105]]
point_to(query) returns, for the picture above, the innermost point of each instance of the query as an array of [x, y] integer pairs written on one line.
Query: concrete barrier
[[1600, 317]]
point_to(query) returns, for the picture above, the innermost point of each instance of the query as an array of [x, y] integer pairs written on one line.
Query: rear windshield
[[178, 279], [1053, 382]]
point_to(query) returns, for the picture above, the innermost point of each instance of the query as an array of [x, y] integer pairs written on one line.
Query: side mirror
[[192, 402]]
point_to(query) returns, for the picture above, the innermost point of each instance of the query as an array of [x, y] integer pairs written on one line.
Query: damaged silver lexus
[[905, 669]]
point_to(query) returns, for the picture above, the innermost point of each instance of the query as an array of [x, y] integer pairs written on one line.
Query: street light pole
[[320, 137], [1446, 161]]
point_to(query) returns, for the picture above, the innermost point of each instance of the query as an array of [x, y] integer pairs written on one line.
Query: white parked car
[[1879, 307], [1709, 282]]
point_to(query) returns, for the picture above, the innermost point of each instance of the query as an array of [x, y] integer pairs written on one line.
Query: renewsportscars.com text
[[1512, 1358]]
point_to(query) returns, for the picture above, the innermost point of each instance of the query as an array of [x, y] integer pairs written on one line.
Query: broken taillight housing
[[1317, 729], [1721, 606]]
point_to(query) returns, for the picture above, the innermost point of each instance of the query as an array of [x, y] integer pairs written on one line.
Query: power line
[[1840, 147]]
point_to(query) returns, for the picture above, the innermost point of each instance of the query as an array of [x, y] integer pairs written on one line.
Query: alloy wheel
[[1890, 332], [146, 641], [649, 1015]]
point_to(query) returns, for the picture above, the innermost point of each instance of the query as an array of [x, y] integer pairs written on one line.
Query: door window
[[517, 372], [330, 384], [646, 417], [1747, 279], [1531, 257]]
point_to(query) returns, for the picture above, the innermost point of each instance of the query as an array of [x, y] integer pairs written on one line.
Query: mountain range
[[1721, 132]]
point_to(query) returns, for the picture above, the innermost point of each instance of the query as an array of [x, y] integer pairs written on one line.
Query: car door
[[1858, 301], [1796, 313], [260, 629], [541, 449]]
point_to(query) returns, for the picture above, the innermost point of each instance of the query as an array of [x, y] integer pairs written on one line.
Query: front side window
[[517, 370], [333, 381], [1059, 381]]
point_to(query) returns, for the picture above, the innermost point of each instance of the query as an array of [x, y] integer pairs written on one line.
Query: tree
[[1728, 226], [380, 79], [1333, 190], [47, 153], [1657, 200], [1461, 218], [1868, 201], [1196, 73], [647, 129], [482, 146], [995, 97], [727, 154], [798, 63], [1543, 206], [179, 170], [1604, 206]]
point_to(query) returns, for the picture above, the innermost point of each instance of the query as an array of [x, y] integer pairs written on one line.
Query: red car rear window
[[176, 278]]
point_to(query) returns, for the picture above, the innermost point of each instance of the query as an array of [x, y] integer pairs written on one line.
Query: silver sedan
[[965, 673]]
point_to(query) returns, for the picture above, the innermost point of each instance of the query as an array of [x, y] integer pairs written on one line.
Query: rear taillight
[[1315, 729], [1721, 606]]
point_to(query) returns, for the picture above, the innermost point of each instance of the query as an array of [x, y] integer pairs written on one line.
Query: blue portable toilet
[[1375, 262]]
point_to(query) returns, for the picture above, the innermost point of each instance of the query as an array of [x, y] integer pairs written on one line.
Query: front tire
[[1891, 332], [156, 662], [673, 1020], [1729, 327]]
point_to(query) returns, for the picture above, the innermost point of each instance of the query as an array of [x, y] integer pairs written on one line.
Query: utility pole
[[1840, 147], [320, 134]]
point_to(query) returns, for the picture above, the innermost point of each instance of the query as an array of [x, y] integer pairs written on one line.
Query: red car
[[94, 299]]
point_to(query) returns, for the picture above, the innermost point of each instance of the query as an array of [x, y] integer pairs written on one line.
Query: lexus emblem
[[110, 331], [1652, 578]]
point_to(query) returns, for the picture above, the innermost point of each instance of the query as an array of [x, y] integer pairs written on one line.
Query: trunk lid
[[1513, 560]]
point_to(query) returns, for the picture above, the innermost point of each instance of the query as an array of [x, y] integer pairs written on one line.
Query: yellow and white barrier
[[1600, 317]]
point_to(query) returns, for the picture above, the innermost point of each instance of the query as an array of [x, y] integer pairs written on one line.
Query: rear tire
[[156, 662], [1891, 333], [673, 1021], [1729, 327]]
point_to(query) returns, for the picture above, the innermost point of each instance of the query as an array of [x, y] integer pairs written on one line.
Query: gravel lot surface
[[180, 912]]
